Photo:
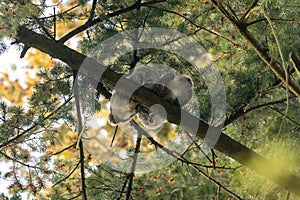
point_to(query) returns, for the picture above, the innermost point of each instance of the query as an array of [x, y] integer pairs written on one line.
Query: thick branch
[[225, 144]]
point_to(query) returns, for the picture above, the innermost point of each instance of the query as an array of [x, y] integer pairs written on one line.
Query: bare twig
[[130, 176], [92, 12], [114, 136], [284, 68], [80, 130], [262, 93], [21, 163], [232, 11], [177, 156], [66, 177], [123, 188], [193, 23], [283, 114], [76, 196], [54, 23], [66, 11], [246, 15], [220, 7], [242, 111], [104, 16], [198, 147], [218, 193], [273, 19], [133, 165], [288, 195], [42, 27], [216, 182], [64, 149]]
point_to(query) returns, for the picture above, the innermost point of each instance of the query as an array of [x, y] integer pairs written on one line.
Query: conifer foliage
[[43, 122]]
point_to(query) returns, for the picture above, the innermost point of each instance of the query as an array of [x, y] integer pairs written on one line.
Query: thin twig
[[273, 19], [285, 71], [252, 6], [288, 195], [134, 162], [177, 156], [92, 12], [68, 10], [35, 125], [21, 163], [66, 177], [232, 11], [123, 188], [76, 196], [242, 111], [200, 149], [218, 193], [216, 182], [114, 136], [281, 113], [42, 27], [89, 24], [260, 51], [64, 149], [54, 23], [80, 130], [193, 23], [262, 93], [221, 8]]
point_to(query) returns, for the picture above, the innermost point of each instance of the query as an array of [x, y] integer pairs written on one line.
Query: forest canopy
[[214, 115]]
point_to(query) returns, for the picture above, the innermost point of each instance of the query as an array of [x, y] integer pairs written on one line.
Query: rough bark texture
[[225, 144]]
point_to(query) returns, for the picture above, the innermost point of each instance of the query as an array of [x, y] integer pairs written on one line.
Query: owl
[[176, 89]]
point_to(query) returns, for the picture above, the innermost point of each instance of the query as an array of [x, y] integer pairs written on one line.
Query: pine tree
[[255, 48]]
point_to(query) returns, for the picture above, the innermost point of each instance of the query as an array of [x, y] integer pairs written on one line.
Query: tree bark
[[225, 144]]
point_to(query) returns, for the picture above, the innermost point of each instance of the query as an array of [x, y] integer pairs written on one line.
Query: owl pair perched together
[[168, 86]]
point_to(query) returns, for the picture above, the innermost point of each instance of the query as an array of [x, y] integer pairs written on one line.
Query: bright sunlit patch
[[102, 134], [123, 154]]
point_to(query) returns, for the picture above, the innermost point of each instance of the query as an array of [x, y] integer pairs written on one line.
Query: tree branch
[[216, 182], [225, 144], [271, 62], [90, 23], [283, 114], [66, 177], [80, 130], [193, 23], [180, 158], [14, 139], [92, 12], [133, 165], [273, 19], [246, 15], [240, 112]]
